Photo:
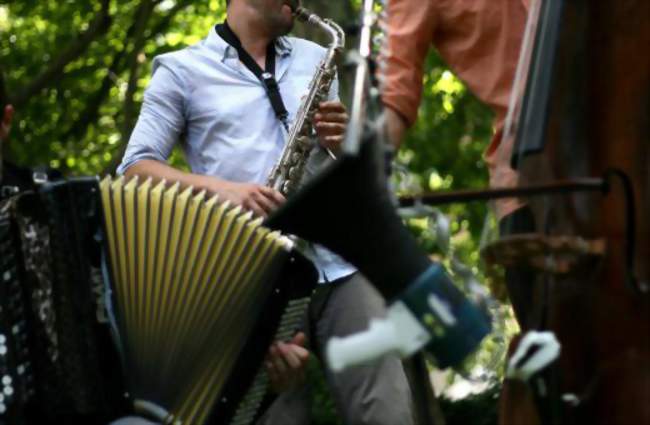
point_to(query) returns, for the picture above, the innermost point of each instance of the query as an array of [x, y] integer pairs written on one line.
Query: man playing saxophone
[[219, 100]]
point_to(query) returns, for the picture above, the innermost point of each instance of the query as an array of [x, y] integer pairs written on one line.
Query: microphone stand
[[366, 95]]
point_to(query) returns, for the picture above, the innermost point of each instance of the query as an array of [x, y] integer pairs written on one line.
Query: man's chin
[[284, 28]]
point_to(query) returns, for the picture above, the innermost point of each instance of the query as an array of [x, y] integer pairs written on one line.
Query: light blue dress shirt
[[204, 98]]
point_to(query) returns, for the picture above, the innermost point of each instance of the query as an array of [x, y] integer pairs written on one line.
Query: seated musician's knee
[[376, 394]]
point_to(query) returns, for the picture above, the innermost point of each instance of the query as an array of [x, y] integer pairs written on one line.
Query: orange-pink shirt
[[480, 41]]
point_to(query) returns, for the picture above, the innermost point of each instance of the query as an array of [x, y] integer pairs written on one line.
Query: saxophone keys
[[294, 172], [304, 141]]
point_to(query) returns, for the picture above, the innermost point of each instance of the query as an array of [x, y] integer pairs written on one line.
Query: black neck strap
[[266, 76]]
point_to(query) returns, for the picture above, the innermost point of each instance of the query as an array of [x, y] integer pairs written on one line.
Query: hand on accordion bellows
[[286, 363], [331, 122], [261, 200], [5, 124]]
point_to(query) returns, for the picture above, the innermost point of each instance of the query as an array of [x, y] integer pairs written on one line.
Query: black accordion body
[[128, 297]]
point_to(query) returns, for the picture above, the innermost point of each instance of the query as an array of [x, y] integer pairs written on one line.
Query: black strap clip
[[266, 76], [273, 92]]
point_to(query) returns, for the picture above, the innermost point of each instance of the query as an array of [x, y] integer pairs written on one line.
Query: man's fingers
[[332, 117], [332, 106], [270, 369], [278, 362], [268, 205], [251, 205], [301, 353], [285, 363], [262, 200], [334, 139], [299, 339], [276, 197], [330, 129], [290, 356], [331, 111], [297, 355], [277, 380]]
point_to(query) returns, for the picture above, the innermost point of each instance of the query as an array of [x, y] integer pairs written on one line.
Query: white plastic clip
[[548, 349]]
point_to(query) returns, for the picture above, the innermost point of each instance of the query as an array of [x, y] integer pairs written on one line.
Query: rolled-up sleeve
[[161, 120], [411, 26]]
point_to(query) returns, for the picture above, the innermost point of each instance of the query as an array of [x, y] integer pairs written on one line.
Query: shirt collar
[[283, 46]]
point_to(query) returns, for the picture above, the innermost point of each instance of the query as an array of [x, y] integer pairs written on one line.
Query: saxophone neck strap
[[266, 76]]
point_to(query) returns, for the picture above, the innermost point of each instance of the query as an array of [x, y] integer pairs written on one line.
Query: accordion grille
[[189, 275]]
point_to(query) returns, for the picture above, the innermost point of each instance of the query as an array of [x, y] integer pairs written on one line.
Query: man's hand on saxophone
[[331, 122]]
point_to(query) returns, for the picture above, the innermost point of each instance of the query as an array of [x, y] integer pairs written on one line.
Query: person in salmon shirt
[[480, 41]]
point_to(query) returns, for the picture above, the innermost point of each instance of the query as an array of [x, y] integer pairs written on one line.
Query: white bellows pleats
[[188, 274]]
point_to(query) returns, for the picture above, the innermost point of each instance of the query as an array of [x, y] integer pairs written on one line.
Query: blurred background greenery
[[76, 70]]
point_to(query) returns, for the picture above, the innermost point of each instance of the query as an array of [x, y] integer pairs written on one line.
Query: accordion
[[121, 297]]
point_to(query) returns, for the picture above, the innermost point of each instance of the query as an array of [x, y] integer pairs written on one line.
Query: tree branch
[[144, 14], [4, 99], [159, 28], [91, 112], [97, 27], [167, 19]]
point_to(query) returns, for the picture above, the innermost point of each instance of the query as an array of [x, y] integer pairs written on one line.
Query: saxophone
[[287, 173]]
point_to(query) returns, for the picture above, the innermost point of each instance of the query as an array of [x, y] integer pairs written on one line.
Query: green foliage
[[444, 151], [76, 72], [323, 411], [477, 409], [445, 148]]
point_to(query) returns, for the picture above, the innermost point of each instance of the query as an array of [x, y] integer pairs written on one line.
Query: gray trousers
[[376, 394]]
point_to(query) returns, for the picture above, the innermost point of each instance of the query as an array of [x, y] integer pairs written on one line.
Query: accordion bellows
[[187, 274]]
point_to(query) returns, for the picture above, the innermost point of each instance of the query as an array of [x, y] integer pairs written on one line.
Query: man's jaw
[[287, 18]]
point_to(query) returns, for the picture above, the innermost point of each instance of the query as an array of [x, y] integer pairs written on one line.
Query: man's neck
[[250, 28]]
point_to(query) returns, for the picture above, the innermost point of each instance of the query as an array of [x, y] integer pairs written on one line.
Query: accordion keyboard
[[291, 320], [16, 378]]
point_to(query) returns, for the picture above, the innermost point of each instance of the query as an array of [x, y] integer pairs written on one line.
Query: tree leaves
[[76, 71]]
